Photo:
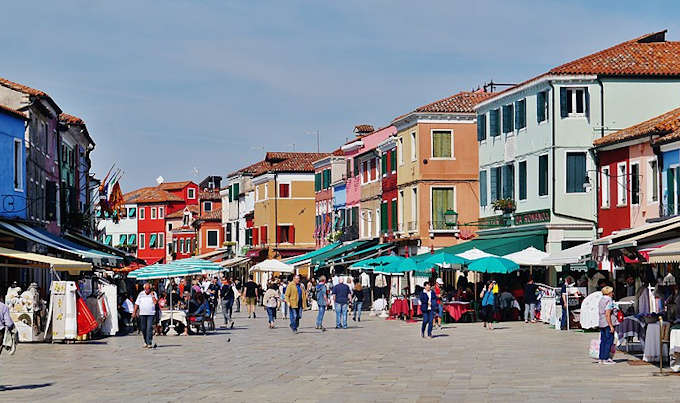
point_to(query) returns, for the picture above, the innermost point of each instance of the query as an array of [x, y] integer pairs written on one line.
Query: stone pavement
[[375, 360]]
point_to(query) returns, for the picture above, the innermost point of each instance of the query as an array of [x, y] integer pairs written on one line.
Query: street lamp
[[450, 218]]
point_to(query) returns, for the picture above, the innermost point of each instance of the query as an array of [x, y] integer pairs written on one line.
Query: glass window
[[142, 213], [605, 183], [153, 213], [442, 144], [543, 175], [522, 180], [621, 184], [207, 206], [442, 200], [653, 182], [573, 101], [576, 172], [414, 147], [212, 236], [161, 212], [542, 106], [122, 239], [191, 193], [635, 183], [142, 241], [161, 240]]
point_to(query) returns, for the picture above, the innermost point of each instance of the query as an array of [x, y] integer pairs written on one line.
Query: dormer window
[[191, 193], [207, 206]]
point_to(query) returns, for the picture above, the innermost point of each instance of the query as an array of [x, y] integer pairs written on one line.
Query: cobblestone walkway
[[375, 360]]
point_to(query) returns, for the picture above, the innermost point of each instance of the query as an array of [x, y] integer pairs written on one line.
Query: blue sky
[[169, 86]]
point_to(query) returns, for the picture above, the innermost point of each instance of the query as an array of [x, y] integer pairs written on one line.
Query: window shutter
[[236, 191], [393, 159], [394, 215], [256, 237], [542, 175], [482, 188], [671, 191], [481, 127], [518, 123], [523, 113], [356, 167], [586, 96], [540, 106], [383, 163], [563, 102], [493, 124], [383, 217], [317, 182], [494, 184], [523, 180], [291, 234]]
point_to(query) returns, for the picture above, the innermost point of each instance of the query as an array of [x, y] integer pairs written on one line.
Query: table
[[456, 309]]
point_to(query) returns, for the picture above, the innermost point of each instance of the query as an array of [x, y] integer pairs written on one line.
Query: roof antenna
[[160, 180]]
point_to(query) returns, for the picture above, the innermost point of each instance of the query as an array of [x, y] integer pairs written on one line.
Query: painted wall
[[649, 197], [12, 200], [203, 236], [149, 226], [612, 215]]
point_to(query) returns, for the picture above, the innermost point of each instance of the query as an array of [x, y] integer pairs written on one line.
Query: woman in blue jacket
[[488, 298], [428, 304]]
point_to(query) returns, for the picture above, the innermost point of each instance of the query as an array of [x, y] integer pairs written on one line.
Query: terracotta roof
[[213, 215], [209, 195], [70, 119], [338, 152], [249, 169], [29, 91], [661, 125], [174, 185], [462, 102], [14, 112], [363, 129], [290, 162], [150, 195], [193, 208]]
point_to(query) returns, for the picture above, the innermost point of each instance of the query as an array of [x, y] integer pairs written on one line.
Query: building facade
[[181, 230], [389, 210], [209, 223], [328, 172], [13, 165]]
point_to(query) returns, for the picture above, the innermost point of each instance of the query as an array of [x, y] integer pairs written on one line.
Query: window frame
[[566, 171], [545, 108], [161, 212], [605, 178], [206, 204], [432, 218], [191, 193], [573, 99], [622, 201], [547, 176], [522, 116], [284, 184], [18, 165], [207, 238], [483, 190], [153, 213], [519, 180], [414, 147], [160, 243], [141, 213], [652, 191], [510, 108], [451, 133], [141, 240], [630, 183], [400, 150]]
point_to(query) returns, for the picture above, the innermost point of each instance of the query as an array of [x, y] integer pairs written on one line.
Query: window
[[169, 226], [522, 180], [285, 234], [400, 151], [671, 177], [153, 238], [153, 213], [132, 212], [481, 127], [185, 218], [108, 240], [482, 188], [442, 200], [521, 114], [181, 245], [263, 235], [507, 119], [161, 212], [442, 144], [542, 106], [364, 172], [414, 147], [348, 171], [604, 180], [635, 183], [132, 239], [573, 102], [576, 172], [414, 208], [191, 193], [394, 215], [18, 166], [495, 122], [142, 213], [383, 217], [284, 190], [122, 239], [543, 175], [227, 232], [383, 163], [142, 240], [621, 184], [401, 208], [393, 160], [495, 183], [212, 236], [207, 206], [373, 169], [377, 218], [653, 182], [161, 240], [509, 181], [235, 191]]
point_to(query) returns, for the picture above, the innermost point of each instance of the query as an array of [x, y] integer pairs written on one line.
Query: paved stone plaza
[[375, 360]]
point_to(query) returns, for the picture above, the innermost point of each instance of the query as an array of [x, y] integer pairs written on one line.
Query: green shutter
[[236, 191], [543, 175], [523, 180], [383, 217], [493, 180], [586, 99], [508, 181], [393, 160], [481, 127], [442, 200], [482, 188], [383, 163], [494, 124], [670, 181], [576, 171], [507, 119], [563, 102], [395, 227], [317, 181]]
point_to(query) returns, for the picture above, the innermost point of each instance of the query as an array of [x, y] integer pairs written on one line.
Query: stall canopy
[[233, 261], [630, 232], [43, 237], [212, 254], [206, 266], [307, 256], [666, 254], [373, 250], [390, 265], [55, 263], [443, 260], [658, 234], [322, 259], [272, 265], [527, 257], [576, 254], [497, 265], [474, 254], [160, 271]]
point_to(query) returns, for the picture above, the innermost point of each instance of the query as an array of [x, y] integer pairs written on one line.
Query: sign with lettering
[[492, 222], [532, 217]]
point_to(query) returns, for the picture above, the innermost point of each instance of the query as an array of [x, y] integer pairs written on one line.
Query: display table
[[652, 350], [456, 309], [177, 316], [674, 348]]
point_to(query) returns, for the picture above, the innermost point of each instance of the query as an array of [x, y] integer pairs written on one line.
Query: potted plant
[[507, 206]]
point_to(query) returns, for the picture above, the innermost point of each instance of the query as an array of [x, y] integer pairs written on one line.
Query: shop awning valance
[[666, 254], [55, 263], [375, 249], [324, 258], [233, 261], [576, 254], [307, 256], [665, 232]]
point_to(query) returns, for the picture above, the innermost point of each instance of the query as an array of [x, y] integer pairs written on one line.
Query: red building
[[209, 223], [153, 206], [388, 206], [182, 232]]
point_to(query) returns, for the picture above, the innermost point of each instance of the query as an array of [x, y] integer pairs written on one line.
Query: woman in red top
[[438, 292]]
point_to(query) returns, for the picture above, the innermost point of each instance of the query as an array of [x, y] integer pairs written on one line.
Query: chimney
[[362, 130]]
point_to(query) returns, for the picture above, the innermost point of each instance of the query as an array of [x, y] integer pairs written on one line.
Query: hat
[[439, 281]]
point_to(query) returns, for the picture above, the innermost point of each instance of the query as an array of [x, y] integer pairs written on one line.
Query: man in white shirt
[[145, 309]]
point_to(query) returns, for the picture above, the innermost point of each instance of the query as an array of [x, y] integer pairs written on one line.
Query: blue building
[[12, 163]]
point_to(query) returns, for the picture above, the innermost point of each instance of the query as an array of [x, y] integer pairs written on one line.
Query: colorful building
[[181, 230], [238, 207], [13, 164], [389, 210], [209, 223], [328, 172]]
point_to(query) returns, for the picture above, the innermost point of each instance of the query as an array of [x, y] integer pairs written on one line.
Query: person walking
[[237, 299], [282, 292], [145, 309], [530, 301], [322, 300], [297, 301], [341, 293], [6, 322], [607, 322], [564, 299], [271, 302], [357, 301], [428, 305], [488, 301], [251, 296], [439, 284], [227, 296]]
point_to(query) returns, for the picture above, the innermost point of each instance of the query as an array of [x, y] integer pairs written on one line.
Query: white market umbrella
[[474, 254], [272, 265], [527, 257]]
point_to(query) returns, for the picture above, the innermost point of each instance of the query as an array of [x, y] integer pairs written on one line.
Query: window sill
[[442, 158], [622, 205]]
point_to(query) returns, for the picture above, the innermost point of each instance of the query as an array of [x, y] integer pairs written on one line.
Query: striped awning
[[667, 254], [55, 263]]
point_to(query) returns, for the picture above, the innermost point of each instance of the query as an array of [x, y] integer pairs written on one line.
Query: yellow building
[[284, 197]]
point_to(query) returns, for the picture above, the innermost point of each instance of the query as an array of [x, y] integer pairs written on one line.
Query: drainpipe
[[554, 210], [276, 211]]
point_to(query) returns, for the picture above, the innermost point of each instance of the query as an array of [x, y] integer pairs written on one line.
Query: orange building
[[209, 223]]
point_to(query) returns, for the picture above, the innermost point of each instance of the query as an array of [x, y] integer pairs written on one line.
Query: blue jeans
[[319, 316], [563, 322], [271, 313], [428, 316], [341, 315], [295, 315], [606, 341], [146, 326], [357, 309]]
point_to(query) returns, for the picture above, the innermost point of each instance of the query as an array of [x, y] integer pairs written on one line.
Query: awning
[[271, 266], [43, 237], [323, 258], [55, 263], [527, 257], [665, 232], [572, 255], [233, 261], [373, 249], [630, 232], [212, 254], [309, 255], [667, 254], [91, 243]]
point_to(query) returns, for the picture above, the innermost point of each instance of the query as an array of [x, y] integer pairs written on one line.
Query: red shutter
[[255, 236], [291, 234], [278, 234], [263, 235], [372, 169]]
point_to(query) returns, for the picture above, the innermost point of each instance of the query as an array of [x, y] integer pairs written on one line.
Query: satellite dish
[[160, 180]]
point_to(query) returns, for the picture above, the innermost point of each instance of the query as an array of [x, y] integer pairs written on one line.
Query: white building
[[123, 234], [238, 206]]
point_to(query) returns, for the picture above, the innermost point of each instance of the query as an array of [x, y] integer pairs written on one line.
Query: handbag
[[619, 315]]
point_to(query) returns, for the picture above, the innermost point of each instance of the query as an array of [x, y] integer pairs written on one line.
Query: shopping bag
[[594, 350]]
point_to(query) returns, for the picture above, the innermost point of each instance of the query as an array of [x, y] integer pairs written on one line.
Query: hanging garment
[[590, 311]]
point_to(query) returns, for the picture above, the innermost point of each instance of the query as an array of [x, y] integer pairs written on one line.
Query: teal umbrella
[[443, 258], [393, 265], [493, 265]]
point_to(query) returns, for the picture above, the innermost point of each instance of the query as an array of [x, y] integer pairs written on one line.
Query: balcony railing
[[442, 226], [412, 226]]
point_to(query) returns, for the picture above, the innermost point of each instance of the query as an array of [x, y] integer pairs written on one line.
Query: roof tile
[[666, 125], [150, 195], [462, 102]]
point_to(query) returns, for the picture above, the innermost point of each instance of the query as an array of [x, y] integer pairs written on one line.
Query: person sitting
[[202, 311], [505, 301]]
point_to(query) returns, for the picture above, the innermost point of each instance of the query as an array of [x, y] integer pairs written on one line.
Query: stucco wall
[[12, 201]]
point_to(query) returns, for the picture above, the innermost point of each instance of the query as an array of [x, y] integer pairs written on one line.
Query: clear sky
[[174, 87]]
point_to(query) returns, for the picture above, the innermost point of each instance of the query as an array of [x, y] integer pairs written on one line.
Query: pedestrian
[[145, 309], [227, 296], [530, 301], [284, 304], [357, 301], [251, 296], [607, 321], [341, 293], [6, 322], [237, 299], [428, 305], [488, 301], [439, 283], [564, 299], [297, 301], [271, 302], [322, 301]]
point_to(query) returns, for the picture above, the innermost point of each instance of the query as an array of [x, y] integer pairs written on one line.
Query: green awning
[[132, 240], [374, 248], [339, 251], [499, 245], [152, 241], [122, 239], [313, 253], [131, 212]]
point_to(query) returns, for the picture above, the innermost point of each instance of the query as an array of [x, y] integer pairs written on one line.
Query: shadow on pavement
[[440, 335], [19, 387]]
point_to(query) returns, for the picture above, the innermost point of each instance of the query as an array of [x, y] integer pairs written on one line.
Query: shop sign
[[492, 222], [532, 217]]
